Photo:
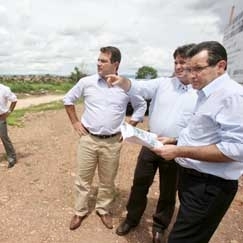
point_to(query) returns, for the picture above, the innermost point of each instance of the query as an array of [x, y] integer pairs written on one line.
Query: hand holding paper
[[139, 136]]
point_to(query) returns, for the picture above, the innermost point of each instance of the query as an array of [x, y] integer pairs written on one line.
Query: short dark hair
[[216, 52], [183, 50], [115, 53]]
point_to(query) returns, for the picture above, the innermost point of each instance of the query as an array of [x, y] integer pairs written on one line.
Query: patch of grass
[[38, 88], [15, 118]]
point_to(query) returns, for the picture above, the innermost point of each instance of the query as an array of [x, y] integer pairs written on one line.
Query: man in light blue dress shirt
[[210, 149], [99, 131], [173, 101]]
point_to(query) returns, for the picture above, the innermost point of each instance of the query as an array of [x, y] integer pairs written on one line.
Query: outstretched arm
[[122, 82]]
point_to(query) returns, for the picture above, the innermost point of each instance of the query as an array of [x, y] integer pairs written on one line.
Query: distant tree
[[146, 72], [78, 73]]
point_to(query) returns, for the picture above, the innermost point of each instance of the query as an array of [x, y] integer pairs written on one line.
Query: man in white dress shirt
[[210, 149], [173, 101], [6, 96], [99, 131]]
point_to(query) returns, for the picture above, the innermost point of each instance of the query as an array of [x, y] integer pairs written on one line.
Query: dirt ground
[[36, 195]]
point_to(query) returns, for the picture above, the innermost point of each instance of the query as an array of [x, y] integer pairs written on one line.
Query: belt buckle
[[105, 136]]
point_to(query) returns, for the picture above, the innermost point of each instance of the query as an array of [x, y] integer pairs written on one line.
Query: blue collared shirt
[[104, 107], [218, 119], [172, 104]]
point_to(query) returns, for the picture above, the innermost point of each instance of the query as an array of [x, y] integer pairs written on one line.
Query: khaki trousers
[[103, 154]]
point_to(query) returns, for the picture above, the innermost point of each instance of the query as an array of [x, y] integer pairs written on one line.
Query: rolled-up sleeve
[[231, 123], [10, 95], [139, 106], [74, 93]]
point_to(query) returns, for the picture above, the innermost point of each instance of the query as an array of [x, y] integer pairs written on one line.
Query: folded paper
[[135, 135]]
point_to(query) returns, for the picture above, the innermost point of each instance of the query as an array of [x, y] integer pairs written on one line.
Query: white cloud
[[43, 36]]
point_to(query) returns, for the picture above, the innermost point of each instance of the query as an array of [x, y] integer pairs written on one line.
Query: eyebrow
[[102, 60]]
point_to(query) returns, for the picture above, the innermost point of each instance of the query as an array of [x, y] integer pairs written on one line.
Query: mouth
[[180, 72]]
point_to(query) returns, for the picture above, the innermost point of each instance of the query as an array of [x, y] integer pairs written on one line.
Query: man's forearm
[[12, 106], [209, 153], [71, 111]]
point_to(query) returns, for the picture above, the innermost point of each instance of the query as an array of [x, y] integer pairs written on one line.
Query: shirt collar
[[215, 85], [180, 86], [100, 79]]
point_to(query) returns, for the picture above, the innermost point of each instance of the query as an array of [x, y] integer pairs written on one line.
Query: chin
[[195, 86], [180, 75]]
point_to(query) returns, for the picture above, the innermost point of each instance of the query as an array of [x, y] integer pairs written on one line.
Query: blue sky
[[40, 36]]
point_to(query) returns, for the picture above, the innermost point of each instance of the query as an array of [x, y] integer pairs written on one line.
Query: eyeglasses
[[196, 69]]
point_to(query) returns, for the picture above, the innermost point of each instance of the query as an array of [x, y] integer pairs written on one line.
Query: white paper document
[[135, 135]]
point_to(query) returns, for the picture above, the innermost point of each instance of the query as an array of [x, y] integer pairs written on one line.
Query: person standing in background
[[99, 131], [6, 96]]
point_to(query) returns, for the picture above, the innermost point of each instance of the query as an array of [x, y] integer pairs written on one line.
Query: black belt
[[200, 174], [208, 177], [99, 135], [103, 136], [194, 172]]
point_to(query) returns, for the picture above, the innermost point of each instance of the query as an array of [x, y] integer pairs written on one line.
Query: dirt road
[[36, 196], [36, 100]]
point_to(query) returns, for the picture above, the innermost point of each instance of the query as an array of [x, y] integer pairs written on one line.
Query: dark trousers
[[204, 199], [8, 146], [147, 164]]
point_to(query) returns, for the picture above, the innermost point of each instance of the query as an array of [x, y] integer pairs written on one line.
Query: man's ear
[[222, 64], [117, 65]]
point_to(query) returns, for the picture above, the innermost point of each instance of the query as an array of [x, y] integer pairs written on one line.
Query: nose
[[178, 66], [193, 74]]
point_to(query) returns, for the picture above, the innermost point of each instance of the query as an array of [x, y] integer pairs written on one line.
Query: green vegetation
[[146, 72], [39, 87], [78, 73], [15, 118], [41, 84]]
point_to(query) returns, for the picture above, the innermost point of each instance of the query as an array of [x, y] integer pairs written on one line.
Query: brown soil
[[36, 196]]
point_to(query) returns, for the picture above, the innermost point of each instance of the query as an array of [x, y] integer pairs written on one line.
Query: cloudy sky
[[54, 36]]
